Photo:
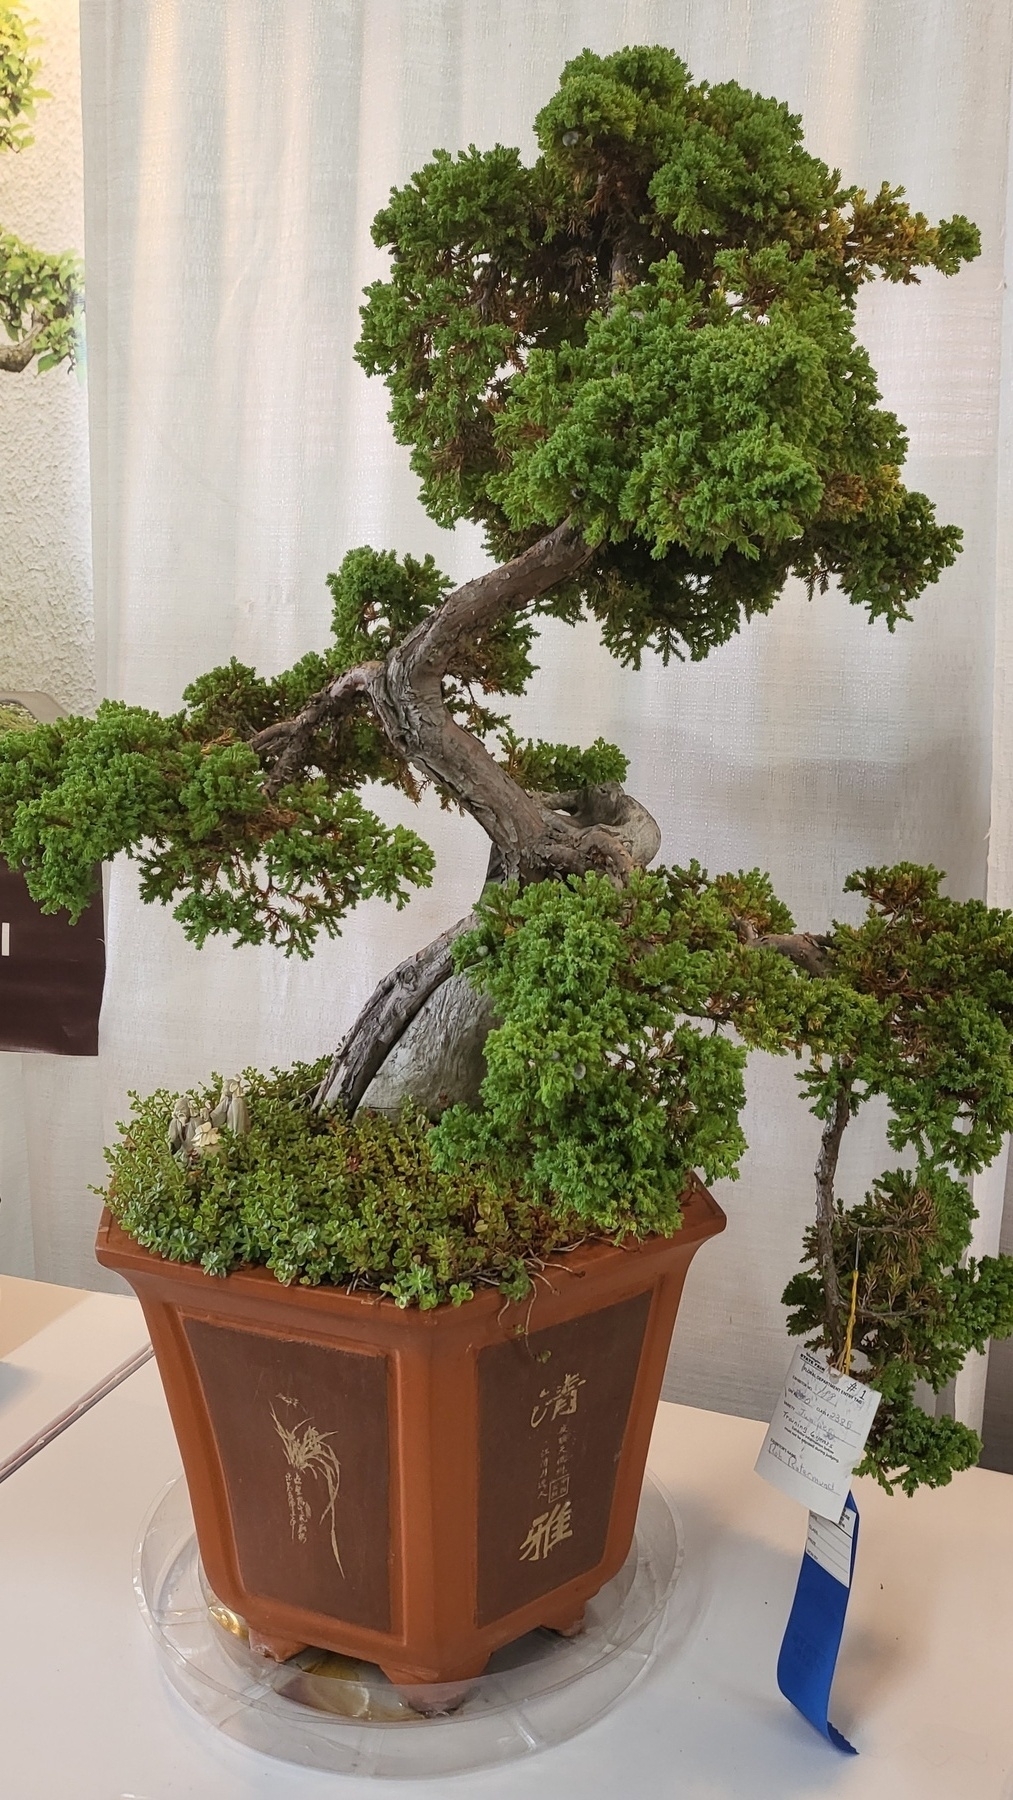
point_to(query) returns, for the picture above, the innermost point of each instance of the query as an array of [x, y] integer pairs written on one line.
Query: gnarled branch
[[611, 806], [804, 948], [407, 693], [535, 836], [289, 738]]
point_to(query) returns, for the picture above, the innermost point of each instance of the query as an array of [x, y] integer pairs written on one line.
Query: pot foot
[[567, 1628], [274, 1649], [431, 1699]]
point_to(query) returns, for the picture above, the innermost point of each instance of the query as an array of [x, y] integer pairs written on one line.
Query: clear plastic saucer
[[334, 1713]]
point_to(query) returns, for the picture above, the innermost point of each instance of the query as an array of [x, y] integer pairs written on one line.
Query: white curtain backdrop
[[235, 153]]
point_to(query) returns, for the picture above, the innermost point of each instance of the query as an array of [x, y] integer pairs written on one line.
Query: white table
[[60, 1348], [925, 1685]]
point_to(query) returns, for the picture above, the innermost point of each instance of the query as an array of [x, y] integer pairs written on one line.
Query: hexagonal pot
[[414, 1488]]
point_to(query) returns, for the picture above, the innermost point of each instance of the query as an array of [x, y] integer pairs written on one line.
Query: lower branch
[[385, 1018], [288, 739], [826, 1171]]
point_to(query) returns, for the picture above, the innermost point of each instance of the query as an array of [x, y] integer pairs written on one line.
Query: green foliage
[[600, 1085], [608, 1080], [933, 1032], [18, 69], [233, 702], [922, 1307], [41, 295], [918, 1009], [317, 1198], [911, 1449], [651, 332], [560, 768], [197, 818], [377, 601]]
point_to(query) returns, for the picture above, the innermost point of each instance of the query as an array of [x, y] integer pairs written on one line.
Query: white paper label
[[830, 1545], [817, 1434]]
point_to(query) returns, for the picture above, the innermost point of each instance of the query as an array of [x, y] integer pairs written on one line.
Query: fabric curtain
[[235, 153]]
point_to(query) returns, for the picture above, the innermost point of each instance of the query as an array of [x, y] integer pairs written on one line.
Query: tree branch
[[536, 836], [826, 1171], [15, 357], [609, 805], [290, 737]]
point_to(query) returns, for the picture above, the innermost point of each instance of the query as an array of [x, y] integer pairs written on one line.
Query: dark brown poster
[[552, 1413], [302, 1431], [51, 974]]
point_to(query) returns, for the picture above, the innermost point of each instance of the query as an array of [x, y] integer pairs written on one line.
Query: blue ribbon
[[812, 1638]]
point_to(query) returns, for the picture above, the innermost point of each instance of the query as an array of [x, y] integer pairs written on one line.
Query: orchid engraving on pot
[[308, 1452]]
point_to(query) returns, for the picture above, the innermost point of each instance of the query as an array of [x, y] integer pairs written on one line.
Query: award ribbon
[[812, 1638]]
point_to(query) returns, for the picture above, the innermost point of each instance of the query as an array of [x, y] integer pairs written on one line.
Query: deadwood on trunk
[[804, 948], [385, 1018]]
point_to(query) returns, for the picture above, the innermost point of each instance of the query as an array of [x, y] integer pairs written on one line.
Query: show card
[[817, 1434]]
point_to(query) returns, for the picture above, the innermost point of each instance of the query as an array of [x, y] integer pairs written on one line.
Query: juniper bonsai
[[634, 363], [40, 293]]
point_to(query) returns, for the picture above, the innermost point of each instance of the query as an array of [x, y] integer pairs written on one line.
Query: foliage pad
[[930, 1029], [651, 331], [607, 1079]]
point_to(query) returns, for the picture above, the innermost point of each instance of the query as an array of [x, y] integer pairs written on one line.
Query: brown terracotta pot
[[414, 1488]]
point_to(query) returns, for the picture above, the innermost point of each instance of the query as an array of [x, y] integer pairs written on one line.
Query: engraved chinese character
[[548, 1530], [558, 1404], [559, 1487]]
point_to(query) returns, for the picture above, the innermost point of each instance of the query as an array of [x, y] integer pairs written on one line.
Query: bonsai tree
[[635, 363], [40, 294]]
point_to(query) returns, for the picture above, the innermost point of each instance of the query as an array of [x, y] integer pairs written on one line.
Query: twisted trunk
[[422, 1032], [534, 837]]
